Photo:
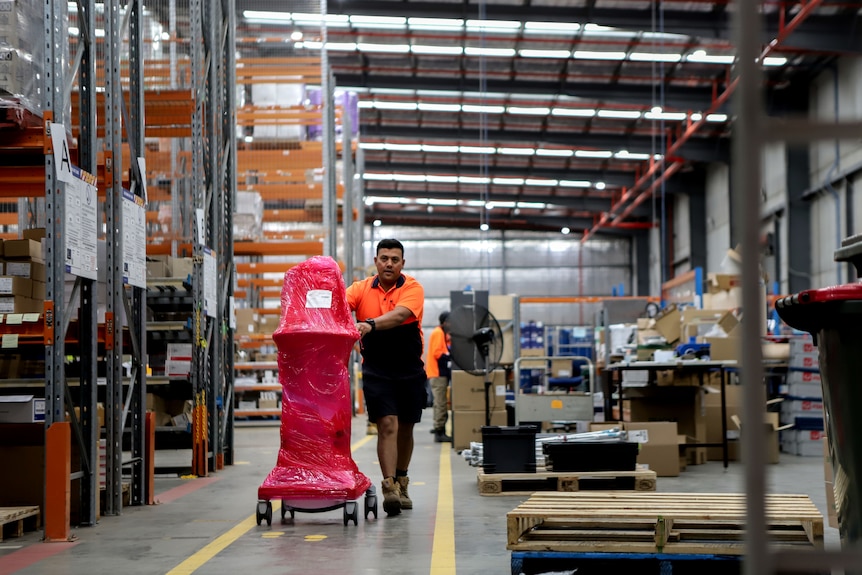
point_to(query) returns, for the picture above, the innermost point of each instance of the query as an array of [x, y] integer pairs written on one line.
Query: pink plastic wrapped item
[[315, 470]]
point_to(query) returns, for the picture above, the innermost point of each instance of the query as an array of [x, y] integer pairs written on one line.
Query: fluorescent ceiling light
[[268, 16], [408, 177], [532, 205], [516, 151], [552, 27], [474, 203], [574, 112], [473, 180], [576, 184], [442, 202], [430, 107], [494, 25], [372, 146], [600, 185], [716, 118], [619, 114], [665, 116], [441, 179], [474, 109], [499, 204], [377, 177], [378, 21], [435, 24], [565, 231], [365, 104], [503, 52], [544, 53], [508, 182], [404, 147], [341, 46], [696, 117], [394, 105], [593, 55], [593, 154], [428, 49], [528, 111], [440, 149], [555, 153], [774, 61], [387, 48], [701, 57], [476, 149], [540, 182], [484, 227], [626, 155], [654, 57]]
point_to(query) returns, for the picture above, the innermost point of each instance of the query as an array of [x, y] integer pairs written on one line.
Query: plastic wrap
[[315, 468], [22, 56]]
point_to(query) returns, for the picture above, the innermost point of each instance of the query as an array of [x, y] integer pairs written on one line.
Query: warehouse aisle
[[207, 525]]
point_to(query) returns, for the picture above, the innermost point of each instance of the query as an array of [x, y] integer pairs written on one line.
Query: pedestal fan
[[477, 344]]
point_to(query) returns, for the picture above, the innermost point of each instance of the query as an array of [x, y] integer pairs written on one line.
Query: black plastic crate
[[510, 449], [590, 455]]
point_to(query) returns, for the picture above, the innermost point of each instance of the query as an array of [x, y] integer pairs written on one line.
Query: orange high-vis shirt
[[437, 364]]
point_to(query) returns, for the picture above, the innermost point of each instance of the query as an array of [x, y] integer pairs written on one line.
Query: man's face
[[389, 262]]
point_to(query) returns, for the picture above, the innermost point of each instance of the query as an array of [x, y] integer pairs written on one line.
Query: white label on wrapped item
[[638, 436], [318, 298]]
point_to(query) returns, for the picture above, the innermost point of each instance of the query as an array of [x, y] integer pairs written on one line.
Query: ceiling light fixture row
[[547, 152], [655, 113]]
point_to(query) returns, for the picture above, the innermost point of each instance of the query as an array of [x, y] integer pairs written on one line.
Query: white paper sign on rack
[[82, 237], [134, 240], [210, 282]]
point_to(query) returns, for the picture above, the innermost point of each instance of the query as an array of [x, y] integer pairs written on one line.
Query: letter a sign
[[62, 159]]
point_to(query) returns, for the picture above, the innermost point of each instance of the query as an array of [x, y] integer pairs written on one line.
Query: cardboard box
[[723, 282], [724, 348], [22, 249], [661, 452], [467, 426], [36, 234], [15, 285], [468, 391], [246, 321], [561, 368], [22, 409], [26, 269], [182, 267], [772, 428], [668, 323], [684, 405], [20, 304]]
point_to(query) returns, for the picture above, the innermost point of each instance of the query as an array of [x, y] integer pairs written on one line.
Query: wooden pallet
[[656, 522], [567, 481], [16, 517]]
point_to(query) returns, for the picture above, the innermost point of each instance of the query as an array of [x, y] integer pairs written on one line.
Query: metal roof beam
[[612, 178]]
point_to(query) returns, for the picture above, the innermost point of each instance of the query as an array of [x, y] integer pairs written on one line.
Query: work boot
[[391, 496], [406, 502], [441, 437]]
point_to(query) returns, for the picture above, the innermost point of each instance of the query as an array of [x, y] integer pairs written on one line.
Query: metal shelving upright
[[213, 193]]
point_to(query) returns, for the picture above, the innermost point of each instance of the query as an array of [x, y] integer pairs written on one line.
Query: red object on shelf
[[315, 467]]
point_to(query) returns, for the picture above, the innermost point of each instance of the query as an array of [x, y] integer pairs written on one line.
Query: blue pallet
[[537, 562]]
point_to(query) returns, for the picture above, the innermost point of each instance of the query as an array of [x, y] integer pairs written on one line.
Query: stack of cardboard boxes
[[22, 283], [468, 405]]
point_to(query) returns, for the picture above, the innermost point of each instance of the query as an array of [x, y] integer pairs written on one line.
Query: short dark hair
[[390, 244], [443, 317]]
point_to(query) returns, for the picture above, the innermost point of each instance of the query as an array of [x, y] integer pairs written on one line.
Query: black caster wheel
[[268, 514], [263, 512], [351, 513], [285, 509], [370, 505]]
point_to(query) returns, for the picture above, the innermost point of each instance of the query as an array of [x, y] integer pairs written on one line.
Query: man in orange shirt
[[439, 371], [388, 309]]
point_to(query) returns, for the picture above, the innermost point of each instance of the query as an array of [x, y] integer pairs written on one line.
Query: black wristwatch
[[370, 322]]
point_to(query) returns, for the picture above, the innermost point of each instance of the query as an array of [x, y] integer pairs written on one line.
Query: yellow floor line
[[197, 560], [443, 550]]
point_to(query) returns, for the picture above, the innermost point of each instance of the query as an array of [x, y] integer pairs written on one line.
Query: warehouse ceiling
[[545, 114]]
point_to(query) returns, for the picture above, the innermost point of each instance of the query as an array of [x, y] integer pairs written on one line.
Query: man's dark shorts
[[405, 397]]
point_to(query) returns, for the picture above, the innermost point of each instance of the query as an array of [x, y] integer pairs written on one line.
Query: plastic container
[[509, 449], [591, 455]]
